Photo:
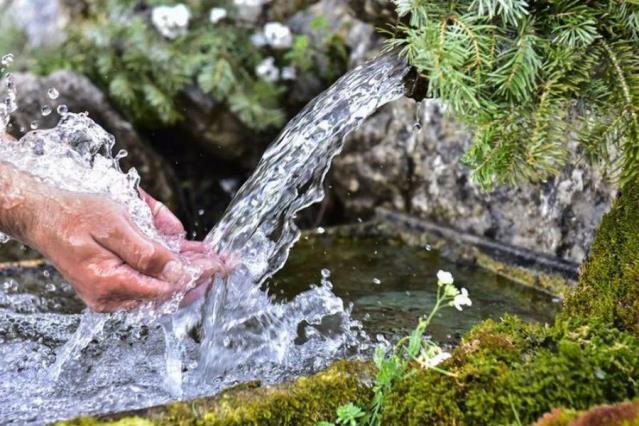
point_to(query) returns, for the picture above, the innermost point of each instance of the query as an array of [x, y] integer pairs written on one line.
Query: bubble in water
[[320, 230], [46, 273], [326, 273], [4, 238], [45, 110], [33, 125], [200, 212], [53, 93], [50, 287], [428, 247], [377, 281], [7, 59], [62, 109]]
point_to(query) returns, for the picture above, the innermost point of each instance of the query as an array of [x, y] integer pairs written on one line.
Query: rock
[[42, 21], [361, 38], [378, 12], [79, 94], [305, 401], [388, 162]]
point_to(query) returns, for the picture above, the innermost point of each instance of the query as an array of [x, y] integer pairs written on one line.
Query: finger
[[140, 253], [187, 246], [126, 288], [195, 294], [165, 221]]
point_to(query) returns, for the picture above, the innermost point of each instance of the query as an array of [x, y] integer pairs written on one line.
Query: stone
[[79, 95], [389, 162], [41, 21]]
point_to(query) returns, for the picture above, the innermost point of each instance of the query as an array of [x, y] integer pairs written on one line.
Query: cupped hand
[[195, 253], [110, 263]]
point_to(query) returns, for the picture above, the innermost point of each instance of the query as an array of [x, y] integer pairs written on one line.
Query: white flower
[[462, 299], [258, 40], [278, 35], [426, 360], [171, 21], [444, 277], [289, 73], [217, 14], [267, 70], [249, 10]]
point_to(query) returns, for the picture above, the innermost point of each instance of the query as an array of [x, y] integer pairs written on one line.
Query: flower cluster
[[171, 21], [459, 298]]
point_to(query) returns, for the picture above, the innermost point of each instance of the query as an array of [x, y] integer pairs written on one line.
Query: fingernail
[[173, 272]]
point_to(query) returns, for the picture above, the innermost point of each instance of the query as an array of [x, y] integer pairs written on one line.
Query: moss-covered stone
[[609, 283], [305, 401], [512, 372], [622, 414]]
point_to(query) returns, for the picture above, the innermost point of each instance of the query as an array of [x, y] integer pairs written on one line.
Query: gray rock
[[79, 94], [42, 21], [388, 162]]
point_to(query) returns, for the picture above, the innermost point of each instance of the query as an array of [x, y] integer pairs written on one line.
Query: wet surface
[[391, 285]]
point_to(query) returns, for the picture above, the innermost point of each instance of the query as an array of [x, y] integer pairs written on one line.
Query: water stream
[[238, 331]]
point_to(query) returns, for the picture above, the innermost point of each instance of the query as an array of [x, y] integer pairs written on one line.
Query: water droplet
[[50, 287], [428, 247], [62, 109], [46, 273], [200, 212], [120, 155], [320, 230], [7, 59], [34, 125], [377, 281], [45, 110], [53, 93], [326, 273]]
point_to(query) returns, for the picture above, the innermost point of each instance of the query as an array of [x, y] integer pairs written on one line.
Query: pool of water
[[389, 285]]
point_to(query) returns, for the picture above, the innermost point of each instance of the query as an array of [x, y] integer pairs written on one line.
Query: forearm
[[18, 191]]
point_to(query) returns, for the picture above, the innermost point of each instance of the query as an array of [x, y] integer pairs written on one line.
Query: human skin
[[96, 246]]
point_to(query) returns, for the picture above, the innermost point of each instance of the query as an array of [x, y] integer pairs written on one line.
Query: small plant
[[402, 359]]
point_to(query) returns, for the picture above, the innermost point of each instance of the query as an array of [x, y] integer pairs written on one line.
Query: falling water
[[237, 332]]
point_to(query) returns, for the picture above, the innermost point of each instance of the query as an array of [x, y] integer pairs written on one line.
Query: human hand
[[94, 244], [196, 253]]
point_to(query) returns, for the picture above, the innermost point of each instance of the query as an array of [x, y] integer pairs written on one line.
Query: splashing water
[[237, 332]]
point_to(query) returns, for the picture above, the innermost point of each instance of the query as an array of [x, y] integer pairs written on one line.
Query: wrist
[[19, 195]]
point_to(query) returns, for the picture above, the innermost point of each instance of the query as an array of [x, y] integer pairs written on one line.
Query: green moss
[[306, 401], [512, 371], [609, 282]]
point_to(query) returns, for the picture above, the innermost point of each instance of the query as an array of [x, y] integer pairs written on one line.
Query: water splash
[[237, 332]]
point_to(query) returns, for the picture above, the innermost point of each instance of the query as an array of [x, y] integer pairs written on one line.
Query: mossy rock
[[512, 372], [306, 401], [622, 414], [609, 283]]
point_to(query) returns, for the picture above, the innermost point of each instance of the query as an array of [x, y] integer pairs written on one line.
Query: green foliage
[[144, 73], [525, 75]]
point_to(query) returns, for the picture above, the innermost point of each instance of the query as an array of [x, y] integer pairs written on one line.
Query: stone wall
[[390, 162]]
